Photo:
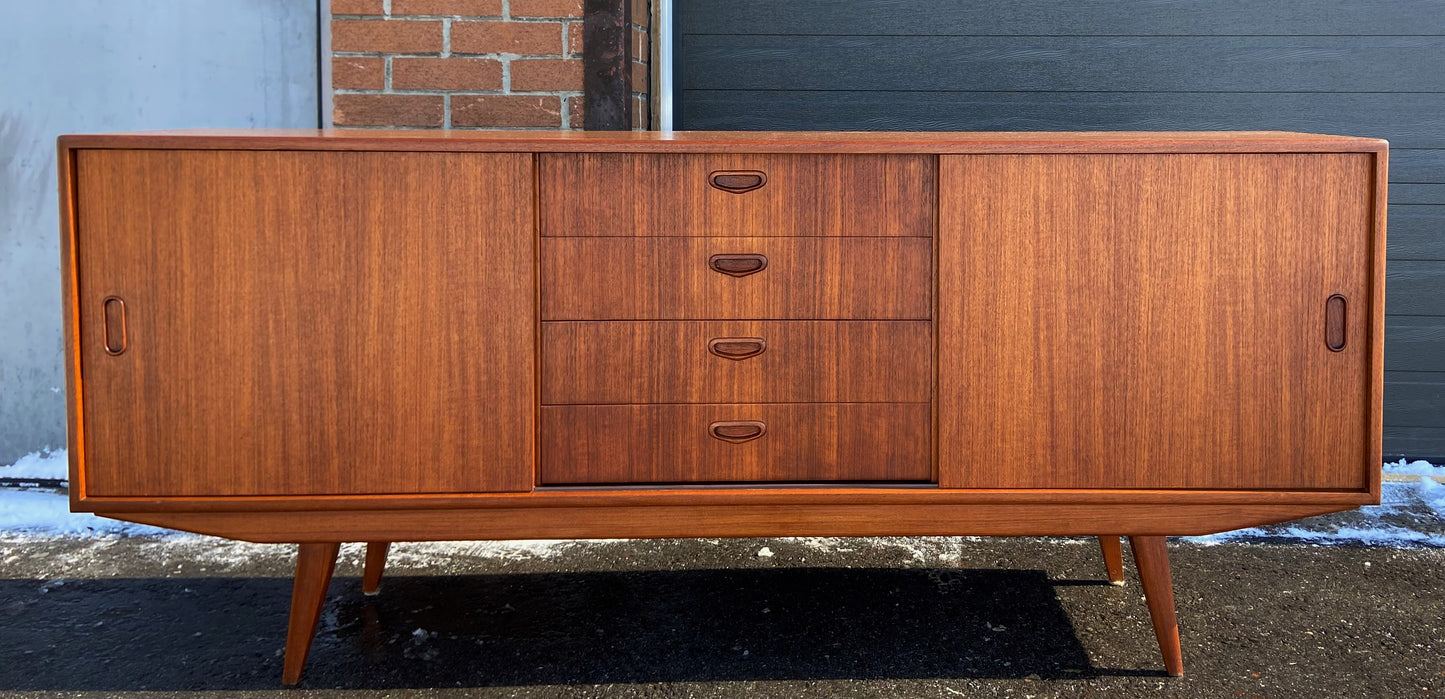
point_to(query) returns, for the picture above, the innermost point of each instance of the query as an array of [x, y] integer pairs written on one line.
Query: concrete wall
[[74, 66]]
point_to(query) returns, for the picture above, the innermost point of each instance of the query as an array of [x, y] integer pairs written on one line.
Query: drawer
[[733, 443], [736, 278], [736, 362], [619, 194]]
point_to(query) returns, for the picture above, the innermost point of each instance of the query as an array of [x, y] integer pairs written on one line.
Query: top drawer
[[620, 194]]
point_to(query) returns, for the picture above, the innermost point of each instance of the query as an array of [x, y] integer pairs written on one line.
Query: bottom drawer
[[712, 443]]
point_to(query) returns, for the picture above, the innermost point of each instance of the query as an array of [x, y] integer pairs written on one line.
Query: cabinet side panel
[[1154, 321], [307, 323]]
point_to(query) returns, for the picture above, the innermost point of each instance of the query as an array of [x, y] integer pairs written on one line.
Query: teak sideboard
[[325, 336]]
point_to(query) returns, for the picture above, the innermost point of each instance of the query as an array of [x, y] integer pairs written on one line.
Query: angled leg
[[375, 564], [1153, 561], [1113, 558], [314, 563]]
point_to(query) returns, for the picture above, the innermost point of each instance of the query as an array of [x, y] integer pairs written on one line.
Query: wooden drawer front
[[736, 362], [676, 444], [675, 278], [617, 194]]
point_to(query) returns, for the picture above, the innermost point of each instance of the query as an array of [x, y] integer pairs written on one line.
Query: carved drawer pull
[[1335, 323], [738, 181], [737, 348], [112, 323], [737, 431], [737, 265]]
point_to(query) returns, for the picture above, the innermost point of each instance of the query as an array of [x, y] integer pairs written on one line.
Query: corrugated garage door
[[1367, 68]]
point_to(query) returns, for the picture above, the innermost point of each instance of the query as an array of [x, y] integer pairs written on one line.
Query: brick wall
[[467, 63]]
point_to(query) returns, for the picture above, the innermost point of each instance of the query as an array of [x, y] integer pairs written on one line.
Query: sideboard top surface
[[735, 141]]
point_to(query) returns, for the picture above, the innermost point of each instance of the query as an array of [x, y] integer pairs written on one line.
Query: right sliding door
[[1155, 321]]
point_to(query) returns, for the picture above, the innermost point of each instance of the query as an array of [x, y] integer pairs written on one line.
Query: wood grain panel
[[1154, 321], [903, 142], [1418, 233], [304, 323], [1415, 443], [800, 362], [1414, 397], [669, 279], [672, 443], [1417, 193], [1415, 343], [621, 194], [1048, 17], [1416, 287], [772, 61], [730, 521], [1417, 165], [1407, 120]]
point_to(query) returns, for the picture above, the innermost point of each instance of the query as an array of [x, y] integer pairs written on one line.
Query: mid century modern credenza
[[323, 336]]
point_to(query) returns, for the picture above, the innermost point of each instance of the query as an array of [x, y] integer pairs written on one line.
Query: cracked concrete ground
[[929, 617]]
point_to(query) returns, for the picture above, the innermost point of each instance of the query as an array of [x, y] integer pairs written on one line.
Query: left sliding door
[[303, 323]]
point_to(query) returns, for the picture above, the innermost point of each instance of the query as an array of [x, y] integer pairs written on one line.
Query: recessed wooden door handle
[[1335, 323], [737, 265], [737, 431], [737, 347], [738, 181], [112, 323]]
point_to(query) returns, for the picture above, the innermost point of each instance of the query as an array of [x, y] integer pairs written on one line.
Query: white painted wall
[[85, 66]]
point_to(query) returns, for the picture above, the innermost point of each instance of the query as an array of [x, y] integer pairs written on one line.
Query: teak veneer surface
[[672, 443], [323, 336], [806, 278], [1155, 321], [621, 194], [932, 143], [880, 496], [673, 521], [799, 362], [306, 323]]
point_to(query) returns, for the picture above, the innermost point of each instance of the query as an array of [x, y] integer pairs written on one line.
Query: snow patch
[[43, 512], [1414, 468], [429, 553], [40, 465], [1372, 524]]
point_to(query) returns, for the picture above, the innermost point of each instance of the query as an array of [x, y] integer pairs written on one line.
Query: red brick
[[387, 110], [547, 75], [357, 7], [574, 38], [446, 74], [640, 49], [640, 113], [576, 115], [639, 76], [525, 38], [546, 8], [640, 12], [386, 36], [447, 8], [358, 73], [507, 110]]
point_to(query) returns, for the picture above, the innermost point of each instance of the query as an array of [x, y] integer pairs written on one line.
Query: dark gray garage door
[[1357, 67]]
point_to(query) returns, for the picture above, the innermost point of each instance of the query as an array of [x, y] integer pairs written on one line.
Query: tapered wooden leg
[[375, 564], [314, 563], [1113, 558], [1153, 561]]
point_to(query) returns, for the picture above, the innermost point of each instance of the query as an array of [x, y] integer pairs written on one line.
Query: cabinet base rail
[[316, 561]]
